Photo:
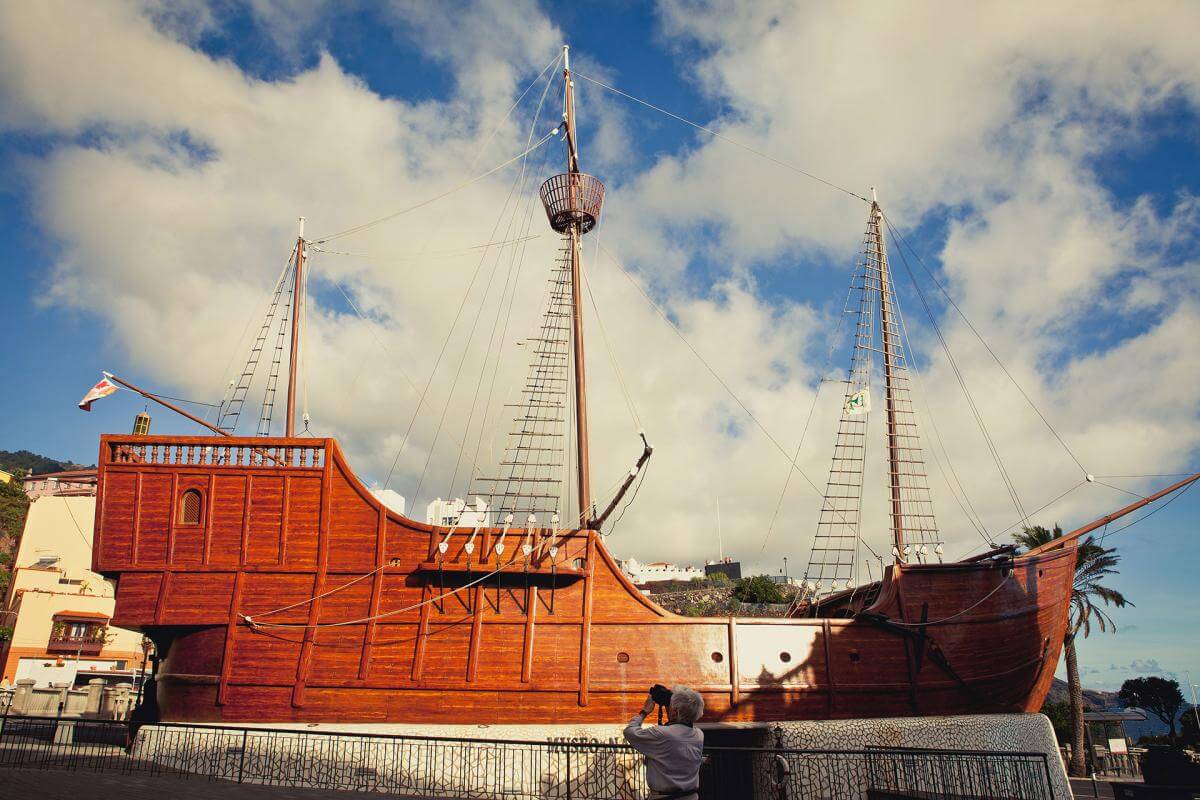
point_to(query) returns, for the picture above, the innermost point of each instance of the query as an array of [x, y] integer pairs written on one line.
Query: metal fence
[[505, 769]]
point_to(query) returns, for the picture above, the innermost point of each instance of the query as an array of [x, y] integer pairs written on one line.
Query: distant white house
[[390, 498], [450, 513], [640, 573]]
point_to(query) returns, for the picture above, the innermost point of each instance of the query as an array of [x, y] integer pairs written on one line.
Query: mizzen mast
[[294, 354]]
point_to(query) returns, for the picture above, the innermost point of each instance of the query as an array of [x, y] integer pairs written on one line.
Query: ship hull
[[296, 596]]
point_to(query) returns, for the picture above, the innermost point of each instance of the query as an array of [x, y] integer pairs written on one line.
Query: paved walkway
[[23, 784]]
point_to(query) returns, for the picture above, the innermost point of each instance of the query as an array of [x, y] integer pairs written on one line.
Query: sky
[[1040, 160]]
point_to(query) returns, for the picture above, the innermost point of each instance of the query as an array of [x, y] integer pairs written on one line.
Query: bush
[[719, 579], [759, 589]]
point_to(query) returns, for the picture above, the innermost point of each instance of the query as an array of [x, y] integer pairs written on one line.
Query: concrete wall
[[98, 700]]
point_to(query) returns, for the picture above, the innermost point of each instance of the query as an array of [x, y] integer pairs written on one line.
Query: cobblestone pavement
[[22, 784]]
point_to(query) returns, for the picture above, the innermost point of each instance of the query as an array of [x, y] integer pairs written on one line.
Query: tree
[[1093, 563], [1160, 696], [759, 589], [1059, 715], [1189, 725]]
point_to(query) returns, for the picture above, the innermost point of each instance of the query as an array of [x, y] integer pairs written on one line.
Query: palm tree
[[1093, 562]]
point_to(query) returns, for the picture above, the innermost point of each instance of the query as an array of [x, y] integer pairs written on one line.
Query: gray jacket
[[673, 754]]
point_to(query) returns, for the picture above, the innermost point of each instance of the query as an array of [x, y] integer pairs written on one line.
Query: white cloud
[[174, 181]]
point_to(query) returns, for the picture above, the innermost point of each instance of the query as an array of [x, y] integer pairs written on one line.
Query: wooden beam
[[235, 603], [364, 662], [418, 666], [476, 632], [585, 629], [735, 682], [314, 608], [531, 600]]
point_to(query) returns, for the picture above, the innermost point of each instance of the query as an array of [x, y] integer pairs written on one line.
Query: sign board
[[1118, 747]]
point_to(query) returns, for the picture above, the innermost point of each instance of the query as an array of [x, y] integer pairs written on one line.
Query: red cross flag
[[102, 389]]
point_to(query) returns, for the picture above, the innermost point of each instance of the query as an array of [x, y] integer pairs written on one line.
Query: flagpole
[[165, 404]]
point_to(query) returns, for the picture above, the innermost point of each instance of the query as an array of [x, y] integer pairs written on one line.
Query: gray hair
[[686, 704]]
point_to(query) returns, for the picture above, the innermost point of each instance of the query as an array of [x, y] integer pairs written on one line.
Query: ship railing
[[264, 453], [504, 769]]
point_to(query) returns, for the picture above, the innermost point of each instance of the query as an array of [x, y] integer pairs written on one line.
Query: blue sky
[[150, 186]]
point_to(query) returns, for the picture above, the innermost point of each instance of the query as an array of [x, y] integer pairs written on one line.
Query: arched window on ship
[[191, 507]]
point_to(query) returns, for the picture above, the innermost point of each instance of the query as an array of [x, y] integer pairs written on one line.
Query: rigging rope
[[811, 409], [359, 228], [987, 438], [612, 356], [722, 137], [666, 318], [992, 353], [515, 264], [253, 622], [1151, 513], [943, 620], [458, 251]]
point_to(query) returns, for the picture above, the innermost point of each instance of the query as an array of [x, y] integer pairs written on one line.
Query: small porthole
[[1039, 573], [623, 658], [579, 563], [854, 656], [191, 505], [717, 657], [785, 657]]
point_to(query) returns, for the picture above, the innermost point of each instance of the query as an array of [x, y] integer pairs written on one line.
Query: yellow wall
[[62, 527]]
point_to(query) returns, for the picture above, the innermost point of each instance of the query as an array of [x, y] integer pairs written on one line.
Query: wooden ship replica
[[276, 587]]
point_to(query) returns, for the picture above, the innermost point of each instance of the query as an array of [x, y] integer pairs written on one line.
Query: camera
[[661, 695]]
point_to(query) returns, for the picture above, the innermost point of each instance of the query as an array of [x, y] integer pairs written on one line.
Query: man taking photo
[[673, 751]]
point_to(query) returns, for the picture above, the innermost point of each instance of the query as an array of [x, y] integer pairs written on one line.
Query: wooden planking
[[154, 506], [304, 521], [225, 529], [352, 541], [556, 652], [501, 661], [265, 521], [137, 596], [392, 653], [115, 547], [197, 599]]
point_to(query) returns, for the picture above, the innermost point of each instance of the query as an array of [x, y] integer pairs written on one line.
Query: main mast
[[575, 231]]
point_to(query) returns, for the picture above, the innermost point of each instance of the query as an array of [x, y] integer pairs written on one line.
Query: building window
[[191, 506]]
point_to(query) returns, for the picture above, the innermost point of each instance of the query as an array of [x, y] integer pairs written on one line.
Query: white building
[[640, 573], [449, 513], [393, 500]]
